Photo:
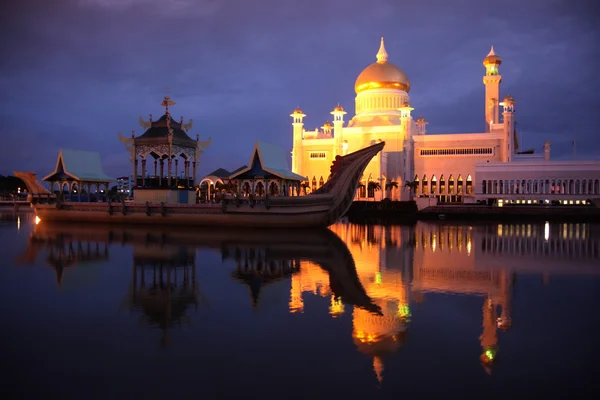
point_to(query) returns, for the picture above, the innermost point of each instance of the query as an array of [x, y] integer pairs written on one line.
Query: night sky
[[74, 73]]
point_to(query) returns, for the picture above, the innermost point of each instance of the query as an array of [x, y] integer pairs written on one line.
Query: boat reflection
[[164, 284], [369, 273]]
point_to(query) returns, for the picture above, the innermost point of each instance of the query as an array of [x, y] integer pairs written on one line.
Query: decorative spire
[[382, 55], [491, 53], [167, 102]]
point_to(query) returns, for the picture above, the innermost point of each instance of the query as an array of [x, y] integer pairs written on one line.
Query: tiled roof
[[80, 165], [273, 159]]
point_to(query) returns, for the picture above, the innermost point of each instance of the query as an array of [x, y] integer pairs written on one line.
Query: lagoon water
[[431, 310]]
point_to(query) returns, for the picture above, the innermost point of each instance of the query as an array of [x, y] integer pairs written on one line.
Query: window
[[318, 154], [458, 152]]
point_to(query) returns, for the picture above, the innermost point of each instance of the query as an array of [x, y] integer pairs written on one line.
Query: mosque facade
[[438, 166]]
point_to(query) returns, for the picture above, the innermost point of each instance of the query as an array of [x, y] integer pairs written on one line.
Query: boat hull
[[310, 216]]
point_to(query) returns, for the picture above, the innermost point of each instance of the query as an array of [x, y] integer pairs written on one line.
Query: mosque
[[442, 167]]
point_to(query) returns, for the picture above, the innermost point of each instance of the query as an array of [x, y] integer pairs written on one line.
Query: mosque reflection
[[372, 273]]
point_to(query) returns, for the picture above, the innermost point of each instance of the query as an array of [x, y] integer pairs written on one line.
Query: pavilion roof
[[272, 159], [79, 165], [158, 129], [220, 173]]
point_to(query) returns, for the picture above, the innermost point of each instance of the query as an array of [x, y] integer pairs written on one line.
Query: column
[[162, 171], [143, 171], [169, 164], [135, 170], [194, 168]]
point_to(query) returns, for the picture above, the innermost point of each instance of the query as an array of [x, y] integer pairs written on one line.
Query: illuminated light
[[547, 231], [37, 220], [403, 310], [469, 247], [500, 203], [18, 223], [337, 307], [490, 354], [378, 278]]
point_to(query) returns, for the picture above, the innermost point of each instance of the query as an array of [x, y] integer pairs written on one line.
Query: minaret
[[406, 125], [492, 80], [298, 127], [509, 128], [489, 336], [338, 129]]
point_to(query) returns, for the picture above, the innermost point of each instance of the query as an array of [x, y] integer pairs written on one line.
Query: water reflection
[[372, 275]]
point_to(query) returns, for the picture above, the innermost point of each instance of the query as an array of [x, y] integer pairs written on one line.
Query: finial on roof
[[150, 117], [491, 53], [132, 134], [382, 55], [167, 102]]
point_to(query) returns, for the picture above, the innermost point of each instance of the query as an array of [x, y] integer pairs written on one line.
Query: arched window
[[469, 185], [442, 185], [484, 186], [259, 189], [425, 186], [451, 185], [321, 181], [273, 189], [417, 183], [433, 184], [459, 185], [314, 184]]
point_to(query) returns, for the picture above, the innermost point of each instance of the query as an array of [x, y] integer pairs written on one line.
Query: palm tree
[[389, 185], [411, 185], [373, 186]]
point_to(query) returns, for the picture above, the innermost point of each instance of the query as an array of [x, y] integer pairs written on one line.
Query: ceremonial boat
[[320, 208]]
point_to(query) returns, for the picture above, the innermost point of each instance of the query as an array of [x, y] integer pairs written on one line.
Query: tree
[[412, 185], [372, 187], [389, 185]]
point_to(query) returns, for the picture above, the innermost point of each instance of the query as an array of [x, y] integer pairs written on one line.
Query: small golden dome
[[382, 74], [492, 58], [405, 105], [298, 111], [338, 108], [509, 99], [327, 124]]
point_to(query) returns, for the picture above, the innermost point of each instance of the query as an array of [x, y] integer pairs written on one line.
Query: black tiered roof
[[159, 129]]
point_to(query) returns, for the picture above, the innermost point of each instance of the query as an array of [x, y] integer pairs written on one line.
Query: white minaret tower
[[509, 128], [338, 129], [406, 129], [492, 80], [298, 127]]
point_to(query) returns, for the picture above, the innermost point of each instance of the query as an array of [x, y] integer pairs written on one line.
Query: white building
[[443, 167]]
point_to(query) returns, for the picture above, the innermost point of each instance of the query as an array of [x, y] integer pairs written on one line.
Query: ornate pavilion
[[78, 175], [173, 157], [268, 169]]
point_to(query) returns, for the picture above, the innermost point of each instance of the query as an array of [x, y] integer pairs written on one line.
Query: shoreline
[[407, 212]]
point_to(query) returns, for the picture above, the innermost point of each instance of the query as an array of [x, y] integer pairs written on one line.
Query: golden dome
[[492, 58], [327, 123], [509, 99], [338, 108], [298, 111], [382, 74]]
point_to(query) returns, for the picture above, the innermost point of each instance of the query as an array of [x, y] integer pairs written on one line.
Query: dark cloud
[[76, 72]]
